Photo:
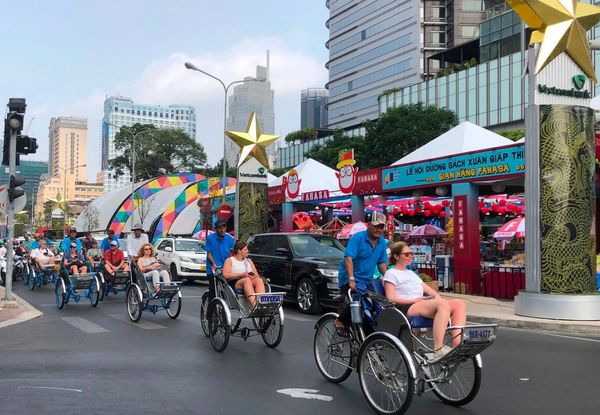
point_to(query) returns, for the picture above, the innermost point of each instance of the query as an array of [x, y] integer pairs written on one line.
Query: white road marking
[[305, 394], [524, 379], [84, 325], [146, 325], [189, 319], [51, 387], [564, 336]]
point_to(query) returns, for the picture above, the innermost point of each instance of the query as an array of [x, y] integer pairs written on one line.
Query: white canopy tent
[[314, 177], [464, 138]]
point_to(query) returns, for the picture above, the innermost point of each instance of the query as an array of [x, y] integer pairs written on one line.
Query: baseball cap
[[378, 219], [221, 222], [114, 243]]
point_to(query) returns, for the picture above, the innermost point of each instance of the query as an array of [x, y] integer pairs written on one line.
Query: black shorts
[[404, 308]]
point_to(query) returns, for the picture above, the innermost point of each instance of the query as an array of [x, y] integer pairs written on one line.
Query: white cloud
[[166, 81]]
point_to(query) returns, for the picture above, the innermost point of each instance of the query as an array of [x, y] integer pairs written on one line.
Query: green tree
[[159, 152], [328, 152], [513, 135], [278, 171], [302, 136], [401, 130], [217, 170]]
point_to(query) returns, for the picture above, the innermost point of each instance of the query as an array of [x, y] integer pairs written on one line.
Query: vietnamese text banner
[[483, 164]]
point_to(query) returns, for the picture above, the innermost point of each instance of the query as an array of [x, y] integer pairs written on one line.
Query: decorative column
[[251, 211], [560, 241], [467, 258]]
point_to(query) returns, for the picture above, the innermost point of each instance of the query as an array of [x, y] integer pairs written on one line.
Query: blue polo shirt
[[105, 245], [220, 248], [66, 243], [365, 258]]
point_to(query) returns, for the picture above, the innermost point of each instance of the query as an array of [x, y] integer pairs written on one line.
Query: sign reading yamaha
[[503, 161]]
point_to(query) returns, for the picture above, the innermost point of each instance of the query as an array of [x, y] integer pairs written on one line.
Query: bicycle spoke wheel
[[460, 382], [271, 329], [134, 303], [174, 306], [204, 313], [384, 376], [333, 353], [218, 328]]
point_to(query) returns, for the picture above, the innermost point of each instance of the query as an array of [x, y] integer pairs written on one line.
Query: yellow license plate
[[202, 267]]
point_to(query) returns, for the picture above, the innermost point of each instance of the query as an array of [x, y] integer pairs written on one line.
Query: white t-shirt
[[45, 255], [239, 266], [408, 284], [134, 244]]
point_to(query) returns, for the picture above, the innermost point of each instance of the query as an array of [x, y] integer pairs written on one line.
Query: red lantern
[[502, 210], [427, 213], [495, 207], [411, 212], [485, 211], [427, 205], [442, 214], [445, 203], [404, 210], [481, 204], [502, 202]]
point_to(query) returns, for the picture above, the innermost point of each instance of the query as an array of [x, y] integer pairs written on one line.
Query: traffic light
[[26, 144], [13, 124], [14, 191]]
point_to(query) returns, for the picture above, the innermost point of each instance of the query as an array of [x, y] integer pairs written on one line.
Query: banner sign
[[460, 224], [315, 195], [368, 182], [276, 195], [472, 166], [214, 187]]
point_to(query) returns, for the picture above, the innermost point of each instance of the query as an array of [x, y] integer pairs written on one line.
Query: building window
[[469, 30], [473, 5]]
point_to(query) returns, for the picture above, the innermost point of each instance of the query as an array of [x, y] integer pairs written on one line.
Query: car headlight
[[330, 273], [185, 259]]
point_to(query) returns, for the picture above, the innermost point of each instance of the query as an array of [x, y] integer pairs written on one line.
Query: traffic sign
[[224, 211]]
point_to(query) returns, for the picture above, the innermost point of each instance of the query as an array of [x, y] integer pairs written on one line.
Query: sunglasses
[[147, 249], [408, 254]]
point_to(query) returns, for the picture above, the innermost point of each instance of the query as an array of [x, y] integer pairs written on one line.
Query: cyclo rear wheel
[[204, 312], [59, 293], [134, 303], [385, 376], [271, 329], [174, 307], [333, 353], [218, 327]]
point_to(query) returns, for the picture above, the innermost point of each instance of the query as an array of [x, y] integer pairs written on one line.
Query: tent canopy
[[464, 138], [316, 176]]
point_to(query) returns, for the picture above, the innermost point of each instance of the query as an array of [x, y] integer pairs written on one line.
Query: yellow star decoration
[[252, 142], [561, 26]]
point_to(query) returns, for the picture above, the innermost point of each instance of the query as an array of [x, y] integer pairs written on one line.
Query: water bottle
[[356, 312]]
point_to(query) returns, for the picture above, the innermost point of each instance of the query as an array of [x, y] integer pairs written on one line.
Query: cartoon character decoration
[[347, 174], [291, 183]]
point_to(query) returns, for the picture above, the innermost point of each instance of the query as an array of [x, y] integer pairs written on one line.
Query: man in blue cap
[[218, 248]]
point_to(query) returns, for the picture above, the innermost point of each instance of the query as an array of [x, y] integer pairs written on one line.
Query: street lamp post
[[193, 67], [65, 170], [134, 136]]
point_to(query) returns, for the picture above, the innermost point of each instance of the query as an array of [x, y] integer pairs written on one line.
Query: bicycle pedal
[[420, 389], [245, 333]]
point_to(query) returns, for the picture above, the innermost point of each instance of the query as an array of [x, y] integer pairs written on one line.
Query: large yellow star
[[561, 26], [252, 142]]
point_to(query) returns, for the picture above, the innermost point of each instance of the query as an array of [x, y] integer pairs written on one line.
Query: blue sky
[[66, 56]]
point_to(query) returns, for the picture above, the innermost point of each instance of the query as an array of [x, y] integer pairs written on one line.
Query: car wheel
[[174, 276], [306, 296]]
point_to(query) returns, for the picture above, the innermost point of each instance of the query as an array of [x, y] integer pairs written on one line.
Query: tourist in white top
[[241, 268], [42, 255], [135, 241], [405, 289]]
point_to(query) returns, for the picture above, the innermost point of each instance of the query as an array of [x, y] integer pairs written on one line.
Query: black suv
[[303, 265]]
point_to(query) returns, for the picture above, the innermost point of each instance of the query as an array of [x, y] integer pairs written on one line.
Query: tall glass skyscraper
[[313, 108], [251, 96], [121, 111]]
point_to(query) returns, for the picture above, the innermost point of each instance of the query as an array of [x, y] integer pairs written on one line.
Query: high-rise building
[[68, 147], [121, 111], [379, 45], [313, 108], [251, 96]]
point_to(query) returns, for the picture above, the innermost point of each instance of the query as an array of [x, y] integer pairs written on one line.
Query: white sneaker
[[442, 352]]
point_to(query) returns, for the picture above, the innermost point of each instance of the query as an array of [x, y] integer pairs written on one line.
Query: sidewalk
[[502, 312], [23, 312]]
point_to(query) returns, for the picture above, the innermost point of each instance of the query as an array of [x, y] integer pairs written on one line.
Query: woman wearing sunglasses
[[405, 289], [149, 266]]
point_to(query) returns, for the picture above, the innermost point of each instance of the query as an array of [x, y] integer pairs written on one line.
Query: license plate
[[478, 335], [202, 267], [270, 299]]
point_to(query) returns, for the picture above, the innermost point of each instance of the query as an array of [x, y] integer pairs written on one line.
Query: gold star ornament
[[253, 142], [561, 26]]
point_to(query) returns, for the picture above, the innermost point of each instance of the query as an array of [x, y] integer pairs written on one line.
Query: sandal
[[342, 331]]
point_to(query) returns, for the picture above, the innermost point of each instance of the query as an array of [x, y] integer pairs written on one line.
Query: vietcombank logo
[[261, 170], [578, 83]]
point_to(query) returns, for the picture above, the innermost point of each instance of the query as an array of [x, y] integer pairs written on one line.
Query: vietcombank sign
[[575, 92]]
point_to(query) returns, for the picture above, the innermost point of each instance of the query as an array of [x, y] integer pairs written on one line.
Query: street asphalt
[[94, 360]]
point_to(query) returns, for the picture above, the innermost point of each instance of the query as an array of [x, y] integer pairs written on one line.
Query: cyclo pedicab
[[41, 275], [140, 297], [397, 359], [76, 287], [109, 283], [222, 316]]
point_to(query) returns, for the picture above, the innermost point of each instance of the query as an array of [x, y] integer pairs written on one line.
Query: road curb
[[571, 328], [27, 315]]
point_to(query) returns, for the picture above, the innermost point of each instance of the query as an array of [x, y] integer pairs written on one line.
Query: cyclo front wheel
[[333, 353], [174, 306], [384, 375], [460, 382], [271, 329], [218, 327]]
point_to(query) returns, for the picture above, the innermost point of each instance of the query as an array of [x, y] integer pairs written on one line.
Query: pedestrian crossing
[[92, 327]]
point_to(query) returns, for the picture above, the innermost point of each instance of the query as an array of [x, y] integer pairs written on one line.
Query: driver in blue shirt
[[71, 239], [105, 245], [365, 251], [218, 249]]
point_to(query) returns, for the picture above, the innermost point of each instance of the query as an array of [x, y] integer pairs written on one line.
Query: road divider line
[[84, 325], [146, 325], [55, 388], [305, 394]]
